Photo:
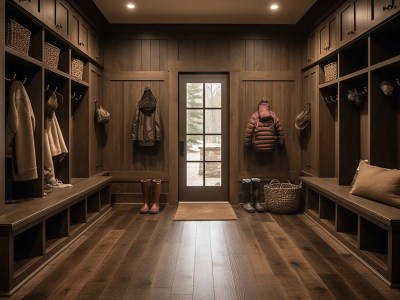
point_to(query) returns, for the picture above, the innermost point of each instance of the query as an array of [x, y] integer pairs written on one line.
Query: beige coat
[[20, 126]]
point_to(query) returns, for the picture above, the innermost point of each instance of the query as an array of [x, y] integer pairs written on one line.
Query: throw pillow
[[378, 184]]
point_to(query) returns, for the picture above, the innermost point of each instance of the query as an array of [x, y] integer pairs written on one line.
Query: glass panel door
[[203, 138]]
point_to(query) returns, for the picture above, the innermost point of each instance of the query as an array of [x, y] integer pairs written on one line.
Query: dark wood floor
[[260, 256]]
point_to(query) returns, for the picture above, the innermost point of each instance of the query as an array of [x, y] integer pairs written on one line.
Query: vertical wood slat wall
[[128, 162], [2, 104]]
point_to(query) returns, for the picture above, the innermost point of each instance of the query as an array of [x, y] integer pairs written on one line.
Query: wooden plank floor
[[260, 256]]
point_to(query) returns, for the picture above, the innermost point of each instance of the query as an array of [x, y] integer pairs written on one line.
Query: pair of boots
[[251, 195], [151, 188]]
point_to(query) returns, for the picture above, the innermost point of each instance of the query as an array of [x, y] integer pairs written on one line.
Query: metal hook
[[23, 82], [47, 87], [14, 77], [73, 96], [397, 80], [55, 90]]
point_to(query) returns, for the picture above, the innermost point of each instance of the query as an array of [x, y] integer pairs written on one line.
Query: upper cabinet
[[310, 53], [95, 48], [353, 16], [32, 6], [79, 32], [56, 16], [328, 36], [380, 10]]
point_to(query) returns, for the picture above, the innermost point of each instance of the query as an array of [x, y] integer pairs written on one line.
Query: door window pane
[[194, 171], [194, 95], [213, 95], [213, 148], [194, 147], [213, 174], [213, 121], [194, 121]]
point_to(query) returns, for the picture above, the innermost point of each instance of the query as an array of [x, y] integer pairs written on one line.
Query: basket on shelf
[[17, 36], [51, 55], [77, 68], [330, 71], [283, 197]]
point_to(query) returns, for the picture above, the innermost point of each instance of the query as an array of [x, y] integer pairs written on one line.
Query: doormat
[[204, 211]]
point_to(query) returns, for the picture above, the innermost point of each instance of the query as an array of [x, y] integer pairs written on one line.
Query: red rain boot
[[156, 186], [146, 192]]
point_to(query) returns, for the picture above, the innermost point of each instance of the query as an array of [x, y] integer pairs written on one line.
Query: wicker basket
[[330, 71], [283, 197], [51, 55], [77, 68], [17, 36]]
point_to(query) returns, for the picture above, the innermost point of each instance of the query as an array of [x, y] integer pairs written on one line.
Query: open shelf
[[56, 228], [28, 245], [312, 203], [327, 211], [93, 204], [353, 57], [347, 224], [77, 215], [105, 197], [374, 241]]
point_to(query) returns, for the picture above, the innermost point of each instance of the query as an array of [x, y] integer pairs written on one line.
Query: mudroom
[[200, 149]]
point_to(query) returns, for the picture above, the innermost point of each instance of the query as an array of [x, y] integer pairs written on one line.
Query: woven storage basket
[[51, 55], [330, 71], [17, 36], [282, 197], [77, 68]]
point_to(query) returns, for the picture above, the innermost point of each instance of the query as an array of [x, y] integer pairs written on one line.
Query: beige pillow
[[378, 184]]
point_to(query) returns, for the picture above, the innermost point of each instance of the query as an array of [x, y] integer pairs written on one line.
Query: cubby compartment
[[30, 75], [36, 34], [28, 245], [105, 197], [384, 42], [328, 70], [327, 211], [385, 146], [353, 126], [77, 215], [347, 224], [374, 241], [328, 121], [354, 57], [56, 228], [82, 60], [93, 204], [63, 64], [312, 202], [57, 132]]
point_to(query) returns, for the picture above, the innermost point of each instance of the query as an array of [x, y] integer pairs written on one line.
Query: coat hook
[[55, 90], [23, 82], [365, 89], [47, 87], [14, 77], [73, 95], [397, 80]]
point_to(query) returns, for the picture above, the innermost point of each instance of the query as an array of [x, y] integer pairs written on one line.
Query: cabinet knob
[[97, 56]]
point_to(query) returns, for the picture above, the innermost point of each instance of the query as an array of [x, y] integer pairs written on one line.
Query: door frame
[[207, 66]]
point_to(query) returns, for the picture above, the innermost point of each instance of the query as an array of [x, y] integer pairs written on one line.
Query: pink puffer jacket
[[264, 130]]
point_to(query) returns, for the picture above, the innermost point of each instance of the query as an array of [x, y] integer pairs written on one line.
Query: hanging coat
[[20, 127], [264, 130], [146, 126]]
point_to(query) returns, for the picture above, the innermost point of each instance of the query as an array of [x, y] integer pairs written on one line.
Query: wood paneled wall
[[268, 68]]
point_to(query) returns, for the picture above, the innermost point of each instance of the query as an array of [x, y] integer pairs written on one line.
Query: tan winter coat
[[264, 130], [20, 127]]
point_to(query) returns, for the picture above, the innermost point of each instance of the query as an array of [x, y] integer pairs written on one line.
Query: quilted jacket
[[264, 130]]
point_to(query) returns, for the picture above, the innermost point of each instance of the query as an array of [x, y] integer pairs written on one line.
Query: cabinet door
[[310, 53], [95, 49], [79, 32], [352, 20], [32, 6], [49, 13], [379, 10], [62, 18], [328, 32], [309, 136]]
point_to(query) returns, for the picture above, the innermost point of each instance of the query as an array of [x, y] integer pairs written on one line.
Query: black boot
[[246, 186], [255, 187]]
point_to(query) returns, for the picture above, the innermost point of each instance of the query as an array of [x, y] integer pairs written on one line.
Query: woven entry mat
[[204, 211]]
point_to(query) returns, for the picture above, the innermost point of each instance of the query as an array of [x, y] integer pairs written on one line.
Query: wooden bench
[[369, 229], [35, 230]]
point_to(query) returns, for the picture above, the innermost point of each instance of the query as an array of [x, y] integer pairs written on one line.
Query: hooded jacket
[[264, 129], [20, 127], [146, 126]]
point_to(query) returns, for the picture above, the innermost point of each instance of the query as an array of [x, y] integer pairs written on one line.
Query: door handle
[[181, 148]]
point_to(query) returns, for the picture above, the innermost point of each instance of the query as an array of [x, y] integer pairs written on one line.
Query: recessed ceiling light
[[274, 6], [130, 5]]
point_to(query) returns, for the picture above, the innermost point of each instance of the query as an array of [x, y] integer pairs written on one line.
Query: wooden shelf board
[[76, 81], [329, 222], [385, 63], [351, 237], [51, 243], [359, 73], [21, 265], [56, 71], [329, 84], [379, 258], [24, 57]]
